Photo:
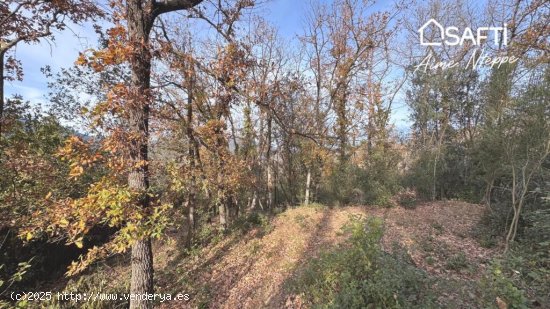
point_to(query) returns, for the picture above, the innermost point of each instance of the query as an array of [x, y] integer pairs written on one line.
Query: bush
[[420, 175], [457, 262], [491, 227], [407, 199], [524, 273], [378, 194], [499, 288], [340, 185], [244, 224], [381, 179], [455, 174], [374, 181], [360, 275]]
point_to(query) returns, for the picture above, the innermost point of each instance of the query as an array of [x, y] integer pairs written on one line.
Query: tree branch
[[166, 6]]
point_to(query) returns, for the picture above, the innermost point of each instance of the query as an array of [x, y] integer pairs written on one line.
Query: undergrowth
[[360, 275]]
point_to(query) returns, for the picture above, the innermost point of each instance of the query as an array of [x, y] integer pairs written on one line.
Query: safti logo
[[450, 35]]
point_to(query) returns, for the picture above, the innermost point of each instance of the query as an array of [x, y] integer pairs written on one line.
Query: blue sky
[[59, 53], [287, 15]]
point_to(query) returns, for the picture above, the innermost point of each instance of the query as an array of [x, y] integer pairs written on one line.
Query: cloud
[[34, 95]]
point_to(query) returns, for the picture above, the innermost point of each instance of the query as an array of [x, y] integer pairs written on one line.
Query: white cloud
[[32, 94]]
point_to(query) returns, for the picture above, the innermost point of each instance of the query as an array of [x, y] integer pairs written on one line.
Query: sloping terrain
[[250, 270]]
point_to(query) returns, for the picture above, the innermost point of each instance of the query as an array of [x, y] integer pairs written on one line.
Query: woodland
[[197, 155]]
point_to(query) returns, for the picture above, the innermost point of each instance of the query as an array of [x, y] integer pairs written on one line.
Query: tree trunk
[[269, 185], [253, 202], [516, 214], [518, 201], [140, 16], [222, 215], [342, 131], [191, 152], [2, 53], [269, 166], [308, 184], [488, 192], [436, 160], [434, 177], [139, 25], [142, 274], [190, 219]]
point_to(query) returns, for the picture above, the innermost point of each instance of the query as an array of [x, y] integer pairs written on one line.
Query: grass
[[457, 262], [438, 228], [303, 221], [430, 260]]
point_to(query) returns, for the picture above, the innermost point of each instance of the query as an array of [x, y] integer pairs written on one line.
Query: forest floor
[[253, 268]]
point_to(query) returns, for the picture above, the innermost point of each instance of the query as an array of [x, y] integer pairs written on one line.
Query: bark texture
[[139, 26], [308, 184], [191, 154], [142, 274], [2, 53]]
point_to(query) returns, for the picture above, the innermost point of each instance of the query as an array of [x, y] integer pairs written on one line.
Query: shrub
[[420, 175], [339, 186], [407, 199], [457, 262], [522, 276], [244, 224], [498, 287], [455, 174], [360, 275], [381, 179], [524, 272]]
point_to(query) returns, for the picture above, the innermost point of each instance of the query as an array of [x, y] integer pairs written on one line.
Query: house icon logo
[[436, 26]]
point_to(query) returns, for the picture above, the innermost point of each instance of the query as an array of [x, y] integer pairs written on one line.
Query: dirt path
[[250, 271]]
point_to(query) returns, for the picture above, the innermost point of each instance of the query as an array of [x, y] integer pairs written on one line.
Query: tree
[[445, 114], [125, 148], [140, 17], [342, 41], [525, 131]]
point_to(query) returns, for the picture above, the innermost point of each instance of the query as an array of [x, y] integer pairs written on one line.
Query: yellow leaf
[[501, 304], [29, 236], [78, 243], [63, 222], [76, 171]]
